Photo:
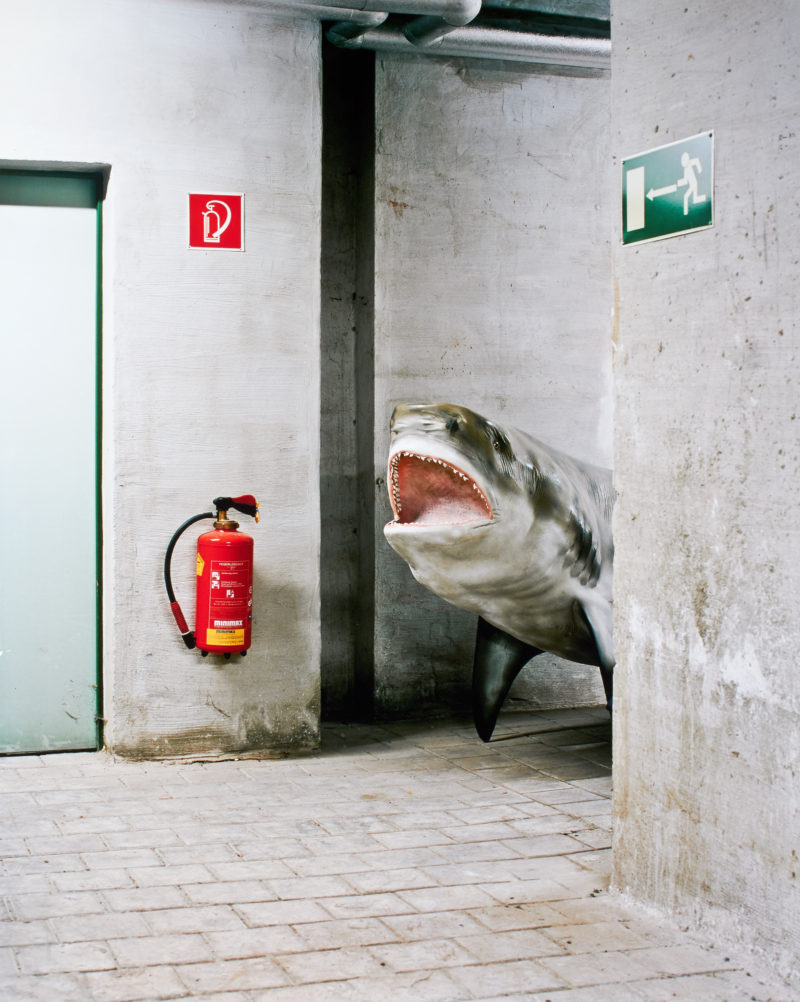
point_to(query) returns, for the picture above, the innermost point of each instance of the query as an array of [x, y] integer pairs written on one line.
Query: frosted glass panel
[[48, 538]]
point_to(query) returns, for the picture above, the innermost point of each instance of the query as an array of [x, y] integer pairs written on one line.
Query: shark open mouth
[[425, 490]]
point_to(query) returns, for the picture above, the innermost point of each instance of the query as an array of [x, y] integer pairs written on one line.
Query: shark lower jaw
[[428, 493]]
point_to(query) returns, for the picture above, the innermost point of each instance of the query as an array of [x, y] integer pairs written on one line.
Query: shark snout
[[427, 418]]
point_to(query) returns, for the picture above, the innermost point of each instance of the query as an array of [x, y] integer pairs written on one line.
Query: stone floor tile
[[682, 959], [594, 837], [181, 855], [517, 944], [544, 867], [480, 872], [265, 941], [25, 865], [282, 912], [370, 905], [604, 908], [339, 964], [430, 925], [334, 991], [41, 906], [87, 928], [227, 975], [150, 983], [595, 937], [25, 933], [551, 823], [141, 899], [474, 852], [90, 880], [29, 883], [754, 985], [514, 915], [525, 891], [53, 958], [163, 876], [123, 858], [583, 969], [391, 880], [422, 954], [595, 993], [481, 833], [706, 988], [9, 957], [293, 888], [208, 918], [324, 865], [521, 976], [228, 892], [544, 845], [418, 986], [150, 951], [44, 988]]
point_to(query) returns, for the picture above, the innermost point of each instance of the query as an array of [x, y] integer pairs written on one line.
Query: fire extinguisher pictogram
[[224, 571]]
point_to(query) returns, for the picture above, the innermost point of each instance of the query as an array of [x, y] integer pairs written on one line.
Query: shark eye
[[499, 442], [452, 425]]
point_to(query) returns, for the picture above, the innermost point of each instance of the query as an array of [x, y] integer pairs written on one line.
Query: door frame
[[82, 186]]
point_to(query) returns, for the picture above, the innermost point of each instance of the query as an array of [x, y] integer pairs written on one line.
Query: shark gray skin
[[498, 523]]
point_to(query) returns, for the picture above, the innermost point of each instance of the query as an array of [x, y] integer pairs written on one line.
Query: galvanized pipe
[[496, 43], [456, 12]]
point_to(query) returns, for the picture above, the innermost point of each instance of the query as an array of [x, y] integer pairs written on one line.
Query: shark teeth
[[477, 509]]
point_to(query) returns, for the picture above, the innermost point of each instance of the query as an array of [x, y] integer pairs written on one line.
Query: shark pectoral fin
[[600, 625], [499, 658]]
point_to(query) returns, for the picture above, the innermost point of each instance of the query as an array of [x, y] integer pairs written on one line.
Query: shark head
[[461, 498]]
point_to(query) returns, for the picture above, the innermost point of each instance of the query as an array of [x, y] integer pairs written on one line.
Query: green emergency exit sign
[[669, 190]]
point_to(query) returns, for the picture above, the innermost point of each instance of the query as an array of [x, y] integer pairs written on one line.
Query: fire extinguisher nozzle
[[189, 640]]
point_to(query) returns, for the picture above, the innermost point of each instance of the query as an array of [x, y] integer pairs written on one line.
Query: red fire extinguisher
[[224, 606]]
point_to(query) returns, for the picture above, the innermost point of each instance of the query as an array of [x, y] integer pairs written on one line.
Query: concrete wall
[[706, 744], [492, 257], [210, 360]]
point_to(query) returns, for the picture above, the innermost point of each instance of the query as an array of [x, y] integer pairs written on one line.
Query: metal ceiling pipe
[[496, 43], [352, 17], [455, 12], [428, 28], [344, 14], [346, 29]]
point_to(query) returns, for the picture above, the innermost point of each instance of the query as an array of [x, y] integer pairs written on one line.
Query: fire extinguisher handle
[[188, 636], [245, 503]]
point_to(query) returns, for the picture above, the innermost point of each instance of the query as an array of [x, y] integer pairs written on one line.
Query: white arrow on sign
[[669, 190]]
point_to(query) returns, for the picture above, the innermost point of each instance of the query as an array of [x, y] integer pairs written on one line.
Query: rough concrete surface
[[210, 358], [492, 290], [407, 861], [707, 700]]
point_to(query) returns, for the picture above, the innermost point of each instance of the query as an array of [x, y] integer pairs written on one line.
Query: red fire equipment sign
[[216, 222]]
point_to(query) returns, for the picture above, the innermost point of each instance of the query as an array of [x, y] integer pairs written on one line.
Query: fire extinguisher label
[[230, 596], [200, 565], [223, 638]]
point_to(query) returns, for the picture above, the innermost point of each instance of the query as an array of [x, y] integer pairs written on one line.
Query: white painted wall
[[211, 367], [492, 289], [707, 458]]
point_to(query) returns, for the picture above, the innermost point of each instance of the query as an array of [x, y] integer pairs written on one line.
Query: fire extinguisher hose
[[186, 633]]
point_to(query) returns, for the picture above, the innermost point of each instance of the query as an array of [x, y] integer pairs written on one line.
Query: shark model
[[496, 522]]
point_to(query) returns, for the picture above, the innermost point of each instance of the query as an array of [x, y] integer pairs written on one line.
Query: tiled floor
[[405, 862]]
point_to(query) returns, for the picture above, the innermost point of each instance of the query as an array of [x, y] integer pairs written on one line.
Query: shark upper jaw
[[433, 491]]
